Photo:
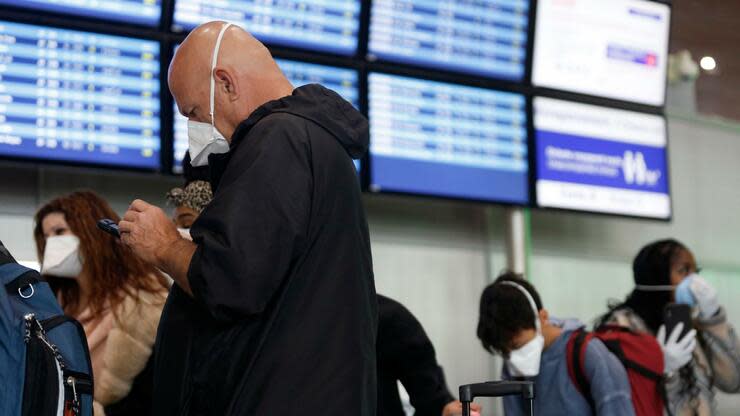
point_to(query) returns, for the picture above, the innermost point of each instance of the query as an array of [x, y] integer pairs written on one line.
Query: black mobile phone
[[675, 313], [110, 227]]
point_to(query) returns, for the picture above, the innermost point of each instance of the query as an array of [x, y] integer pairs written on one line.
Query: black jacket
[[406, 354], [284, 318]]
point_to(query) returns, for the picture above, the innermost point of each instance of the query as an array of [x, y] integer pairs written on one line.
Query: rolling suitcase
[[525, 389]]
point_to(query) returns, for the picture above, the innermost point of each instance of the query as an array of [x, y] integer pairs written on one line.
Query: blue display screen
[[601, 159], [480, 37], [77, 96], [319, 25], [342, 80], [440, 139], [142, 12]]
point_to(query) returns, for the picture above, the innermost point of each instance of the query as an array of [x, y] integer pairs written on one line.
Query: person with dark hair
[[190, 199], [665, 271], [514, 324], [406, 354], [117, 298]]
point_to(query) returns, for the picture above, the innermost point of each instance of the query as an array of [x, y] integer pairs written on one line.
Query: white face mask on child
[[525, 360]]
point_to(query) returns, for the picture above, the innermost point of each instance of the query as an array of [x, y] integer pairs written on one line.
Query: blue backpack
[[44, 360]]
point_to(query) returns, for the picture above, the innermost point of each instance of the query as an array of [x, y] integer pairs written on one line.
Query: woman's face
[[683, 264], [55, 224], [185, 216]]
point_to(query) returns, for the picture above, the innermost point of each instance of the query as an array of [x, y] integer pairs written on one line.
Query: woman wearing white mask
[[514, 324], [707, 358], [116, 297]]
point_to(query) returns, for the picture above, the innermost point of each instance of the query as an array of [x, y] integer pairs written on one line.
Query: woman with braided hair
[[705, 359]]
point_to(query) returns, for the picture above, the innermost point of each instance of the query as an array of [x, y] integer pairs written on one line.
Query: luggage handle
[[525, 389]]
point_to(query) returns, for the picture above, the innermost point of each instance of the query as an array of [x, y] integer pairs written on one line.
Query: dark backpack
[[44, 360], [641, 356]]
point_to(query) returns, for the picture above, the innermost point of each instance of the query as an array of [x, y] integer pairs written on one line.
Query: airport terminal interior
[[551, 138]]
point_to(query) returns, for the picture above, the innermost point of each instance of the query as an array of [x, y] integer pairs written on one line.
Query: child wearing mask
[[117, 298], [514, 324], [705, 359]]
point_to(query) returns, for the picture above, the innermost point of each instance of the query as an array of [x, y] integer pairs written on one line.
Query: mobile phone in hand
[[675, 313], [110, 227]]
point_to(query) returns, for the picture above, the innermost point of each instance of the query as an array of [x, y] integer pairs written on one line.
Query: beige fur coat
[[128, 347]]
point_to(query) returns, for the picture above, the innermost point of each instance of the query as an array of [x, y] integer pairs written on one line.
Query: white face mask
[[185, 233], [62, 256], [525, 361], [203, 138]]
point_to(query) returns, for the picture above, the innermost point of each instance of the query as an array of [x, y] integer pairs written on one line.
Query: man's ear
[[544, 315], [227, 82]]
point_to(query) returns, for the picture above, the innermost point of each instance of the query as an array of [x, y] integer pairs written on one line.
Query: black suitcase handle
[[525, 389]]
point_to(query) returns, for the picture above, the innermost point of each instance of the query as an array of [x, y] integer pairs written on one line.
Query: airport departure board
[[447, 140], [142, 12], [78, 96], [480, 37], [319, 25]]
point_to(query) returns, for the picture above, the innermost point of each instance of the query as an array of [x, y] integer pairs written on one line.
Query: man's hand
[[148, 231], [455, 409], [155, 239]]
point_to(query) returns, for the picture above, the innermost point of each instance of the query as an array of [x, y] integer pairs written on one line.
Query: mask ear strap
[[532, 303], [214, 60]]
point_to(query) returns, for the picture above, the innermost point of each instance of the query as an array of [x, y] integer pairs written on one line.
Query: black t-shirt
[[284, 318], [406, 354]]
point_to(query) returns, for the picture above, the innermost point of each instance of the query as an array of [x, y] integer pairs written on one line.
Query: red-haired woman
[[117, 298]]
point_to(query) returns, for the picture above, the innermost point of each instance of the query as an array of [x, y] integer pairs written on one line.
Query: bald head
[[246, 76]]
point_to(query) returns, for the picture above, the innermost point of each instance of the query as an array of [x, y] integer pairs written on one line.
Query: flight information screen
[[142, 12], [447, 140], [600, 159], [481, 37], [342, 80], [610, 48], [318, 25], [77, 96]]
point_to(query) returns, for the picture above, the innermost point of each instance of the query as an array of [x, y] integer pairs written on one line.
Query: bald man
[[273, 310]]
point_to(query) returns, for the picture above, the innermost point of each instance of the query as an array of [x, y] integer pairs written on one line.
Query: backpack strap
[[13, 277], [576, 358], [616, 349], [30, 277]]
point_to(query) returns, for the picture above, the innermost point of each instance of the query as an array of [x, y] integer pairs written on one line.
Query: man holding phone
[[274, 309]]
